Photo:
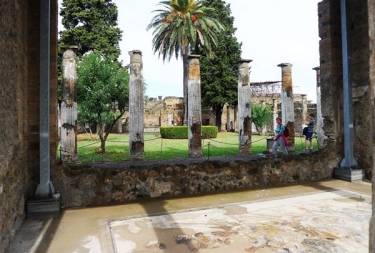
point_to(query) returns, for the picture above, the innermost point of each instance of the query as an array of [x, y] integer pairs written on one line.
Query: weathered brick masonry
[[19, 108], [114, 183], [13, 150], [331, 77]]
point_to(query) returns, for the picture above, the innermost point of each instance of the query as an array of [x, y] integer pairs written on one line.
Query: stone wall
[[115, 183], [19, 109], [168, 111], [331, 77], [13, 151], [359, 46]]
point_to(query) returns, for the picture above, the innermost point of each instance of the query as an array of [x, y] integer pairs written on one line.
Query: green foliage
[[182, 23], [209, 132], [91, 25], [102, 92], [176, 132], [261, 115], [219, 75], [181, 132]]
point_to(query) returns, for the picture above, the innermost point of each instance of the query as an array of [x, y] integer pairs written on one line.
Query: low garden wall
[[115, 183]]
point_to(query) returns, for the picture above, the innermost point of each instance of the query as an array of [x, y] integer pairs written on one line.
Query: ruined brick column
[[319, 117], [136, 128], [287, 102], [194, 107], [68, 149], [274, 114], [244, 107]]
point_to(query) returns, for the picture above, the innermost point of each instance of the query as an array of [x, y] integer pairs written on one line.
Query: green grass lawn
[[117, 147]]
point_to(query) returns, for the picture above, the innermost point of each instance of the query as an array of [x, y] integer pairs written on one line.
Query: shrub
[[181, 132]]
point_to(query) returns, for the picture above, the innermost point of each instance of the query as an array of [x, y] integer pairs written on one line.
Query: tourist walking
[[310, 122]]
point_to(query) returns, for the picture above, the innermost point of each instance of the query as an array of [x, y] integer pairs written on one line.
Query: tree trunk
[[185, 87], [102, 136], [218, 113], [102, 145]]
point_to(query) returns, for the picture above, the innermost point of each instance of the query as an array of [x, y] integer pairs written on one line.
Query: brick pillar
[[194, 107], [68, 149], [244, 107], [331, 69], [136, 126], [287, 102]]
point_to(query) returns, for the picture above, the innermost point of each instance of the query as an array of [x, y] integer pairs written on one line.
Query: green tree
[[102, 93], [261, 115], [181, 25], [219, 75], [91, 25]]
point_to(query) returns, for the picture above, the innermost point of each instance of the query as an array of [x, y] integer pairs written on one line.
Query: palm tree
[[181, 26]]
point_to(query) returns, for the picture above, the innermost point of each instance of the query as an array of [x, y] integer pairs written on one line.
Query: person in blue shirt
[[280, 139], [310, 122]]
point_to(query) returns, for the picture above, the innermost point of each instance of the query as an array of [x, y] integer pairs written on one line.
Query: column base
[[46, 208], [349, 175]]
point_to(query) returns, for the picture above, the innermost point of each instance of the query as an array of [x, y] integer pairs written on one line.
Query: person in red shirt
[[280, 139]]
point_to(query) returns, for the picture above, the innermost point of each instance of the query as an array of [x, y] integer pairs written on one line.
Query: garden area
[[157, 148]]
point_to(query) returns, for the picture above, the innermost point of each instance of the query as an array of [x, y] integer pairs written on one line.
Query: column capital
[[66, 47], [245, 61], [135, 56], [282, 65], [135, 52], [194, 56]]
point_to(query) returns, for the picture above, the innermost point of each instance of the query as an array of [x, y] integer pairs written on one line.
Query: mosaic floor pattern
[[336, 221]]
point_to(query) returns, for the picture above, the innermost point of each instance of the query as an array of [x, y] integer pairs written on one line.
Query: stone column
[[304, 111], [274, 113], [264, 129], [287, 103], [228, 117], [319, 117], [69, 111], [244, 107], [136, 100], [194, 107], [119, 126]]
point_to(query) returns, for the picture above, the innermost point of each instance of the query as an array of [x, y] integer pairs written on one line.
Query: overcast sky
[[271, 32]]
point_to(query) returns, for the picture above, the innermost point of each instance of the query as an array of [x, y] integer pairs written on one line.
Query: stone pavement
[[326, 216]]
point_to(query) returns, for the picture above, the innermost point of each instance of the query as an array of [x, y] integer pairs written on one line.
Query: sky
[[271, 32]]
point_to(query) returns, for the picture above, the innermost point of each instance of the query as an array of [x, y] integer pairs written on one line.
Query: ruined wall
[[168, 111], [115, 183], [331, 73], [13, 150], [359, 46], [33, 90], [331, 77], [19, 109]]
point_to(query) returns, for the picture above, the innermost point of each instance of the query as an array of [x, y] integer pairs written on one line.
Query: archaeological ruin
[[31, 174]]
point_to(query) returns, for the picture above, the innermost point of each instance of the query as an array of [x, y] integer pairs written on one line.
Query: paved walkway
[[327, 216]]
